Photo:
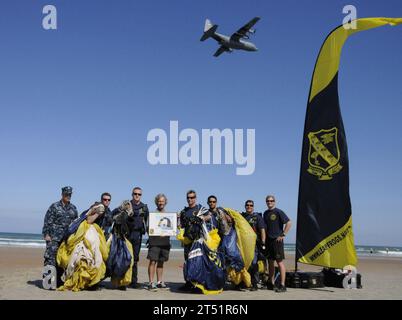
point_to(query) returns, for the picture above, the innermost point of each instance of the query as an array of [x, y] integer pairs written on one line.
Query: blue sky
[[77, 104]]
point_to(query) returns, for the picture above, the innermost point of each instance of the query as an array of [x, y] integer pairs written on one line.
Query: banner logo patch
[[324, 155]]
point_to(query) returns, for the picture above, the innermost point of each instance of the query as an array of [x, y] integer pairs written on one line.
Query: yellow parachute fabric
[[213, 240], [261, 266], [246, 240], [180, 236], [126, 280], [246, 237], [84, 275], [239, 277], [205, 291]]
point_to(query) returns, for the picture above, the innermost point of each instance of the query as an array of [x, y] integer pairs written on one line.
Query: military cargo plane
[[235, 41]]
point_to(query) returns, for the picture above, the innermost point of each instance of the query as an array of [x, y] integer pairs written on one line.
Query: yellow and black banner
[[324, 217]]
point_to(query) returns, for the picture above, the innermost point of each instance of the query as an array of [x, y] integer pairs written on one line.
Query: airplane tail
[[209, 30]]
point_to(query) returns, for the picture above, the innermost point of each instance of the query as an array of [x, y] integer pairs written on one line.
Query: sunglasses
[[106, 199], [191, 197], [270, 200], [137, 194], [212, 201], [249, 205]]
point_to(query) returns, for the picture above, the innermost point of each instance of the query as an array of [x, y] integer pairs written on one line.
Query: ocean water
[[31, 240], [35, 241]]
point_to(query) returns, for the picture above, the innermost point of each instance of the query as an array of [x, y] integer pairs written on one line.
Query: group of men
[[62, 213], [270, 227]]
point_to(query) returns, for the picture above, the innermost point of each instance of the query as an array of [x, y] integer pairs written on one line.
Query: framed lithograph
[[162, 224]]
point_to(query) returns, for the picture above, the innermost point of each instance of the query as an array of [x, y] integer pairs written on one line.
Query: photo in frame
[[162, 224]]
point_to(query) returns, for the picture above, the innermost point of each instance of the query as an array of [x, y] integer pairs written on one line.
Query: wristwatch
[[283, 234]]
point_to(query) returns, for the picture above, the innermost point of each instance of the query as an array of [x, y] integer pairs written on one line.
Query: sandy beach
[[20, 278]]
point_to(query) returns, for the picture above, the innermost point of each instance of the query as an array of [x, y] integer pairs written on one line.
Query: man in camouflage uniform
[[57, 219]]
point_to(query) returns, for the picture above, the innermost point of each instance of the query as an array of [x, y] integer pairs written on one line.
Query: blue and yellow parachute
[[245, 239], [206, 268], [76, 256], [120, 261]]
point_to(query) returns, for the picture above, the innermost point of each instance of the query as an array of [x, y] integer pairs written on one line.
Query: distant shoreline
[[39, 236], [32, 240]]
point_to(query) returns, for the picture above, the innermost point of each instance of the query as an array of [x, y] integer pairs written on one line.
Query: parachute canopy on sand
[[205, 263], [246, 237], [233, 258], [204, 267], [83, 257]]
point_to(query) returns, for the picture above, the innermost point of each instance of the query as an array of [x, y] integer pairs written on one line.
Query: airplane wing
[[243, 30], [220, 50]]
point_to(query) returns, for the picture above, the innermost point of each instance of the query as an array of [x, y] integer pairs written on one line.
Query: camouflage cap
[[67, 190]]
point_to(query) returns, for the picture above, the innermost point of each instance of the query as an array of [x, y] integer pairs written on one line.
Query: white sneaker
[[162, 285], [152, 287]]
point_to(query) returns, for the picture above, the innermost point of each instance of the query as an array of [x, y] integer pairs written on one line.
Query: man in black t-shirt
[[278, 225]]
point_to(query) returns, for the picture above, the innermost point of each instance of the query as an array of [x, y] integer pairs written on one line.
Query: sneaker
[[254, 288], [152, 287], [122, 288], [162, 285], [280, 289], [135, 286], [240, 287], [270, 286]]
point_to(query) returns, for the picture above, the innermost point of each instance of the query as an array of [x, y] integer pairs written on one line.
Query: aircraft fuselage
[[239, 44]]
